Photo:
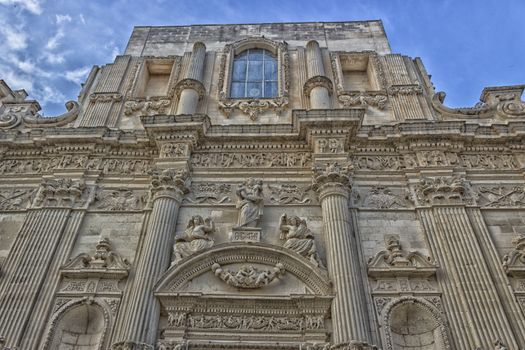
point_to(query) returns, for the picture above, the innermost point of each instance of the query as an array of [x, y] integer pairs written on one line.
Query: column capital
[[442, 190], [353, 345], [332, 179], [171, 183]]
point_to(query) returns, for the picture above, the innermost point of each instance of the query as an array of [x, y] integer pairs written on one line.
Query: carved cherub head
[[195, 221]]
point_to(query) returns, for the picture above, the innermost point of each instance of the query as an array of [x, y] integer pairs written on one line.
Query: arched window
[[254, 75]]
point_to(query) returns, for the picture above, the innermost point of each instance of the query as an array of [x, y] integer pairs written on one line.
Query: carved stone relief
[[442, 190], [500, 196], [174, 150], [148, 106], [119, 200], [514, 262], [381, 197], [250, 202], [290, 194], [209, 193], [248, 276], [251, 160], [194, 239], [298, 237], [16, 198], [61, 193]]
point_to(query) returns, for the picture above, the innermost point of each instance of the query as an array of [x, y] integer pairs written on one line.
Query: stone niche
[[154, 78]]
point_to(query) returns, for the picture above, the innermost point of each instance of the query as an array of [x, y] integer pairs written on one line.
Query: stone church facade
[[267, 186]]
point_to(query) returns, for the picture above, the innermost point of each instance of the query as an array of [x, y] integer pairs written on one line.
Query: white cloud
[[54, 58], [14, 80], [77, 75], [82, 19], [62, 19], [52, 43], [49, 95], [32, 6], [15, 40]]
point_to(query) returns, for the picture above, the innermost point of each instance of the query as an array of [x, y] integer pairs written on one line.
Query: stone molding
[[25, 113], [254, 107], [317, 81], [192, 84]]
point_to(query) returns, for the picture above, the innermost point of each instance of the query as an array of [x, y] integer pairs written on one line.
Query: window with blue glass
[[254, 75]]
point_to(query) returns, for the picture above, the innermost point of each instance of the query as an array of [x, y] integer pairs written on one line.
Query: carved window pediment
[[359, 79], [254, 106]]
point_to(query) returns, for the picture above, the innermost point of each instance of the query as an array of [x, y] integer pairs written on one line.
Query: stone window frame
[[254, 106], [353, 98]]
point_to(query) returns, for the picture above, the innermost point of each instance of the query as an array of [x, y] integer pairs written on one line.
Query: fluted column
[[471, 300], [29, 274], [349, 317], [317, 85], [139, 316], [191, 87]]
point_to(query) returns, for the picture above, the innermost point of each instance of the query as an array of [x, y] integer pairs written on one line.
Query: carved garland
[[254, 107]]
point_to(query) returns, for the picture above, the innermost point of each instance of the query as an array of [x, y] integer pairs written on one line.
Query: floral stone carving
[[248, 277], [104, 258], [169, 182], [299, 238], [60, 193], [194, 239], [332, 177]]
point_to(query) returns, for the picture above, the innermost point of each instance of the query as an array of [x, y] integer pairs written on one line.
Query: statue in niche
[[195, 238], [299, 238], [250, 203]]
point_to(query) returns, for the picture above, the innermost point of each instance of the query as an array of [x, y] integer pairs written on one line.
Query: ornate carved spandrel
[[119, 200], [250, 202], [298, 237], [194, 239], [514, 262], [396, 262], [16, 198], [500, 196], [448, 190], [209, 193], [284, 194], [248, 276], [381, 197], [66, 193], [173, 183], [104, 259]]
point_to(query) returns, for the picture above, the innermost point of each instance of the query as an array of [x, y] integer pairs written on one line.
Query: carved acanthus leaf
[[146, 107], [169, 182], [253, 107], [60, 193], [442, 190], [331, 173], [248, 277]]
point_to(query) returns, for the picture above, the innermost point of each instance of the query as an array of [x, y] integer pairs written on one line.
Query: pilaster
[[349, 316], [473, 302], [190, 89]]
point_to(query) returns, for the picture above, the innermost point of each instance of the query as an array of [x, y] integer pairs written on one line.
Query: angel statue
[[250, 203], [195, 238], [299, 238]]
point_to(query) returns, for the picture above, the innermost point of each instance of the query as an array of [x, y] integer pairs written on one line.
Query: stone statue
[[299, 238], [194, 239], [250, 203]]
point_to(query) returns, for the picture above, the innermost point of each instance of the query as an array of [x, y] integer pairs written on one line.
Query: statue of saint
[[299, 238], [250, 203], [195, 238]]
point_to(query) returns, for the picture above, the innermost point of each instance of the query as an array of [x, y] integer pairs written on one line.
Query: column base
[[131, 345], [353, 345]]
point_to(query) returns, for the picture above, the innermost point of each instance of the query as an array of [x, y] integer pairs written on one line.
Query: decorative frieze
[[251, 160], [363, 99], [16, 198], [284, 194], [146, 107], [209, 193], [381, 197]]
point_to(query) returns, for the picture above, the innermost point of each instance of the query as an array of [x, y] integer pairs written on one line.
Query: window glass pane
[[255, 54], [270, 70], [237, 90], [254, 90], [239, 70], [270, 89], [255, 72], [242, 56]]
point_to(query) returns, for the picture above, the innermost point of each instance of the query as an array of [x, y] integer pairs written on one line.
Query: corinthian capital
[[171, 183], [442, 190], [61, 193], [332, 178]]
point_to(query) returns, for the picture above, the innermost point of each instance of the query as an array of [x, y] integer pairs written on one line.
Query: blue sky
[[48, 47]]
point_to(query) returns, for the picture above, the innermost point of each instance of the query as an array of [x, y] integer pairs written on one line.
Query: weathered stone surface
[[348, 209]]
